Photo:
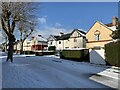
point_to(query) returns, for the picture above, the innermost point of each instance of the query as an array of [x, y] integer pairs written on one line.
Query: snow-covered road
[[51, 72]]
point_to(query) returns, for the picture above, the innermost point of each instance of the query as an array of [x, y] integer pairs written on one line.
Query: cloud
[[58, 25], [47, 31], [42, 20]]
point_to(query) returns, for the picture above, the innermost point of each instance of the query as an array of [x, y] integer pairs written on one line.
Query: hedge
[[44, 53], [78, 55], [112, 53], [28, 52], [52, 48]]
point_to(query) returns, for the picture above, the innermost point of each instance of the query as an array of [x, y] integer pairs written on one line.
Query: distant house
[[75, 39], [17, 46], [99, 34], [52, 40], [38, 43], [4, 46], [35, 43], [27, 45]]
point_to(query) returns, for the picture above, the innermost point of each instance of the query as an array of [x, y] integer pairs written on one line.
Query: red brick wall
[[38, 47]]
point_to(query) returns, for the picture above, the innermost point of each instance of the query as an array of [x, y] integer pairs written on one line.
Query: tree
[[116, 33], [26, 29], [4, 40], [13, 13]]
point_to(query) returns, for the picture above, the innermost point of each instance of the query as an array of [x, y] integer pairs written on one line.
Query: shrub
[[52, 48], [78, 55], [112, 53], [116, 34], [44, 53], [28, 52]]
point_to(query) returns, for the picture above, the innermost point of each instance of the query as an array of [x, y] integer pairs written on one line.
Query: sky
[[56, 17]]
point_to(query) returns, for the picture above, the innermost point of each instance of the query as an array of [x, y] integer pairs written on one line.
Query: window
[[97, 37], [50, 43], [59, 42], [75, 40]]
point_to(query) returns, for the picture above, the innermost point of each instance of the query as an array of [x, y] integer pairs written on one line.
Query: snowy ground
[[52, 72]]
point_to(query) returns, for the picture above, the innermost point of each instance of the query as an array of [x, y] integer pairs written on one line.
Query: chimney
[[61, 34], [114, 21]]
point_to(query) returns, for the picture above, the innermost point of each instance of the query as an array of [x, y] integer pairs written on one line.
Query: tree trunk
[[5, 47], [21, 51], [21, 42], [10, 50], [10, 47]]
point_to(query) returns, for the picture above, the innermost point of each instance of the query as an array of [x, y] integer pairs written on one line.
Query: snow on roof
[[28, 40], [111, 28], [82, 33], [40, 38]]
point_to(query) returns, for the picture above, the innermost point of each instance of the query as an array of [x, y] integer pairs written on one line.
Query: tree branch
[[13, 26], [3, 27], [28, 35]]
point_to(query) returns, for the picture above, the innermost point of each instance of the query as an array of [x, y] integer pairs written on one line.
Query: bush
[[78, 55], [52, 48], [116, 34], [44, 53], [28, 52], [112, 53]]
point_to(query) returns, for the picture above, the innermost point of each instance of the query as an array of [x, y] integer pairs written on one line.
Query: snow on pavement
[[52, 72]]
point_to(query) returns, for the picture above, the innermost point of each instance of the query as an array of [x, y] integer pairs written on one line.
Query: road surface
[[50, 72]]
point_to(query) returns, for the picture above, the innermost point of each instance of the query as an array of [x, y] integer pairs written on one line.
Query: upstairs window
[[75, 40], [59, 42], [50, 43], [97, 35]]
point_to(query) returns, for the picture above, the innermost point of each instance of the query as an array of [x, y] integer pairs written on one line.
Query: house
[[4, 46], [17, 46], [38, 43], [31, 44], [100, 34], [27, 45], [52, 40], [75, 39]]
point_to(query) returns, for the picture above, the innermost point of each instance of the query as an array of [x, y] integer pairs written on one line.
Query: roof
[[52, 37], [110, 24], [40, 38], [80, 31], [64, 36], [67, 36], [55, 37], [99, 23]]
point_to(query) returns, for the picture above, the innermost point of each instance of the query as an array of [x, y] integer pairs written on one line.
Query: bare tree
[[4, 40], [26, 29], [12, 13]]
